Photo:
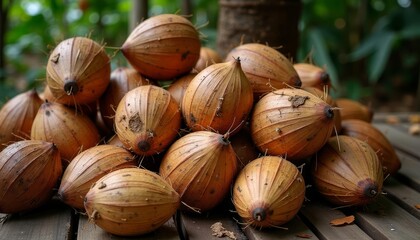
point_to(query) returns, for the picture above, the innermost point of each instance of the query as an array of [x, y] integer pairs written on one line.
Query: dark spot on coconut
[[21, 181], [135, 124], [369, 187], [297, 100], [185, 55], [71, 87], [297, 82], [219, 107], [329, 113], [47, 113], [212, 191], [55, 58], [259, 214], [193, 119], [239, 189], [144, 146], [126, 175], [308, 139], [325, 78], [122, 118], [224, 140], [103, 185]]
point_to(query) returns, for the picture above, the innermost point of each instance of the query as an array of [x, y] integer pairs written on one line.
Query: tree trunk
[[4, 10], [138, 13], [272, 22], [186, 8]]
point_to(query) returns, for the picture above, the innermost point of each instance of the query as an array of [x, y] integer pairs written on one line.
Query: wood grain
[[387, 220], [319, 214], [50, 222], [88, 231]]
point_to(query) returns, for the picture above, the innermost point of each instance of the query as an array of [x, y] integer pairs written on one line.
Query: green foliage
[[364, 45], [36, 26], [367, 46]]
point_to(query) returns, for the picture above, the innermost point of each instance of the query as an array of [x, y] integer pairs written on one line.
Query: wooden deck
[[394, 216]]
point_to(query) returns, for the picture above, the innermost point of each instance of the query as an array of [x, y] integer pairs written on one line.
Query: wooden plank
[[50, 222], [401, 140], [386, 220], [318, 214], [295, 229], [404, 196], [401, 117], [386, 117], [88, 231], [199, 226], [409, 172], [405, 128]]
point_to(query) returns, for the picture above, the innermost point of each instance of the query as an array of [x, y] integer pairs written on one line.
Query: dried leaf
[[414, 129], [303, 235], [414, 118], [220, 232], [417, 206], [342, 221], [392, 119]]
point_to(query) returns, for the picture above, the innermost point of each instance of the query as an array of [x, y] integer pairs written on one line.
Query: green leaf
[[353, 89], [321, 55], [6, 93], [380, 57], [367, 46], [410, 32]]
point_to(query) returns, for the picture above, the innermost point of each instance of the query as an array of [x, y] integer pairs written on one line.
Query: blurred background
[[370, 48]]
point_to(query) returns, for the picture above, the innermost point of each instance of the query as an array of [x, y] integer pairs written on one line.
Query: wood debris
[[342, 221], [414, 118], [303, 235], [219, 231], [297, 100], [417, 206], [392, 119], [414, 129]]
